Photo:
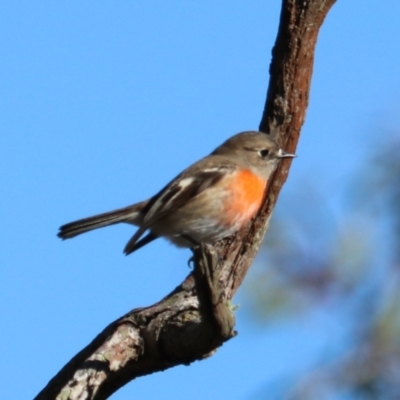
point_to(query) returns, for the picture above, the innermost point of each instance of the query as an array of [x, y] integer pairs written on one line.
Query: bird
[[210, 200]]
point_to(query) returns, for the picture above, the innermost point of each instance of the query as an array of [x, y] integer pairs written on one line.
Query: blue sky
[[103, 103]]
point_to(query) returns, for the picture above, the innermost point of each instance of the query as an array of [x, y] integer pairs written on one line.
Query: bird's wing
[[180, 191]]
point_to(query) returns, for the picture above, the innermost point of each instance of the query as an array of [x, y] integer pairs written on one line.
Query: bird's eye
[[263, 153]]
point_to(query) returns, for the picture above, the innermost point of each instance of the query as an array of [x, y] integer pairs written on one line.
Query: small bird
[[208, 201]]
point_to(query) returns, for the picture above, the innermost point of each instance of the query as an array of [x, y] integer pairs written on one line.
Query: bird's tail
[[130, 215]]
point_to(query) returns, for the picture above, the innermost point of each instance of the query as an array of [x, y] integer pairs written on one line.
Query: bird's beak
[[283, 154]]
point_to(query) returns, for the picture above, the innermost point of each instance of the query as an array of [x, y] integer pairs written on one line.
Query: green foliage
[[347, 263]]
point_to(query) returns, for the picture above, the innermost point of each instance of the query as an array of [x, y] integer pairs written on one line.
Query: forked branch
[[196, 318]]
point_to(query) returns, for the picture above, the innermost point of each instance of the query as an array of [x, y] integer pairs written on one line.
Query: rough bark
[[196, 318]]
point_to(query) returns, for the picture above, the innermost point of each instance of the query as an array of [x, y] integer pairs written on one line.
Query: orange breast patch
[[248, 193]]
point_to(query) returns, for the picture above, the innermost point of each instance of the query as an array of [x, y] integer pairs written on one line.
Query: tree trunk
[[196, 318]]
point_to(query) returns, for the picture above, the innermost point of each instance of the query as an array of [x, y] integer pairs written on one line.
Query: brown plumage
[[208, 201]]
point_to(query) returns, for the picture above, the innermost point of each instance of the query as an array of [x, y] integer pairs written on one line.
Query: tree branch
[[196, 318]]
